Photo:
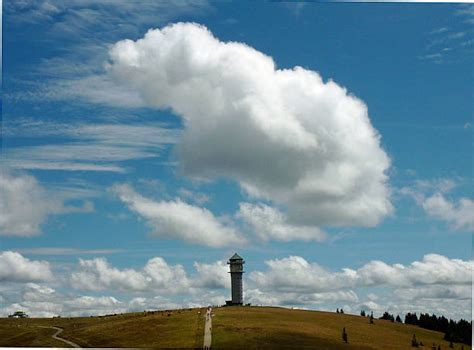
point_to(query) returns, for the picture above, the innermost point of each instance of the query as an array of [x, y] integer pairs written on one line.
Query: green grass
[[232, 328]]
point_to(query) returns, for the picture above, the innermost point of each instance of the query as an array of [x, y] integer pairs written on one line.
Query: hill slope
[[232, 327], [272, 327]]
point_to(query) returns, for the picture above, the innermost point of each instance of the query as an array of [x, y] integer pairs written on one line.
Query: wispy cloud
[[86, 28], [88, 18], [449, 43], [66, 251], [88, 147], [466, 11]]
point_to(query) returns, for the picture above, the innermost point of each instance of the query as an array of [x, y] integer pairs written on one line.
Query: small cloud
[[434, 58], [467, 126], [466, 11], [457, 35], [196, 197], [431, 56], [295, 7], [118, 217], [230, 21], [439, 30]]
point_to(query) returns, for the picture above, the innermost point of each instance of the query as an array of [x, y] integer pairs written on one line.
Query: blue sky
[[205, 148]]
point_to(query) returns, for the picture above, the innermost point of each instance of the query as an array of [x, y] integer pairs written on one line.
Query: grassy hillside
[[160, 329], [279, 328], [232, 327]]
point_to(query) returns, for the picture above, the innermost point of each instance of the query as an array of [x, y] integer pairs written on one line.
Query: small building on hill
[[18, 314]]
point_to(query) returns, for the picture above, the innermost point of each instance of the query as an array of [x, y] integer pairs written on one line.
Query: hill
[[232, 327], [272, 327]]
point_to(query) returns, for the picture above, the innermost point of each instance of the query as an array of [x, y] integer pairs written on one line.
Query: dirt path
[[208, 330], [55, 336]]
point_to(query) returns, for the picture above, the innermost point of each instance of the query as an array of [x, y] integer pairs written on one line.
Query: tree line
[[454, 331]]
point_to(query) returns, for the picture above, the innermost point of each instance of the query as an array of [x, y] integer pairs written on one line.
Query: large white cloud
[[434, 284], [16, 268], [296, 274], [98, 274], [284, 135], [178, 219]]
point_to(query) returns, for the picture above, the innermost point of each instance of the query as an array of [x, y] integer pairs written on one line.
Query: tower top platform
[[235, 257]]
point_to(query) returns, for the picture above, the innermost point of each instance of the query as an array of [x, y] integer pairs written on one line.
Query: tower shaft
[[236, 286]]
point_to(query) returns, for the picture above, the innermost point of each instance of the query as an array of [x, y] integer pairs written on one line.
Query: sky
[[329, 144]]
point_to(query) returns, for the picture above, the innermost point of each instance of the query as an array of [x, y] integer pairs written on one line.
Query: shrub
[[344, 335], [414, 342]]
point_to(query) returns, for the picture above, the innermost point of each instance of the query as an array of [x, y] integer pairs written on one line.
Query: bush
[[414, 342], [344, 335]]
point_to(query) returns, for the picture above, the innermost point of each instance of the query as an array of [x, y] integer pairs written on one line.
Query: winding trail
[[207, 330], [55, 336]]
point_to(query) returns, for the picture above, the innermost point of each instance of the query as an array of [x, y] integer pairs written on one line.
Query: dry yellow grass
[[232, 327], [181, 329], [14, 334], [280, 328]]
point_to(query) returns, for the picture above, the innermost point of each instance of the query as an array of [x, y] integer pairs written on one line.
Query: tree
[[337, 310], [344, 335], [362, 313], [411, 319], [451, 345], [398, 319], [371, 318], [342, 311], [414, 342], [387, 316]]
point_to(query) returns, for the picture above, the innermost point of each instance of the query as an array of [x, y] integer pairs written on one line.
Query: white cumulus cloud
[[460, 214], [178, 219], [213, 276], [98, 274], [432, 197], [16, 268], [270, 223], [296, 274], [284, 134], [25, 204]]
